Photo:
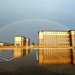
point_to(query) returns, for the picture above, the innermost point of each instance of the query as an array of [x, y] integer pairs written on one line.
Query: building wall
[[57, 38], [27, 42], [1, 44], [21, 41], [72, 37], [41, 38], [18, 41], [4, 44]]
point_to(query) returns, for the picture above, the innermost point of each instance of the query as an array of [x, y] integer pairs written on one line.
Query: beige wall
[[72, 37], [21, 41], [18, 41], [54, 38], [27, 42]]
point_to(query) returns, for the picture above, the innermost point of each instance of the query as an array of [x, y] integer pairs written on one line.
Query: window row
[[55, 44], [56, 36], [55, 32], [56, 40]]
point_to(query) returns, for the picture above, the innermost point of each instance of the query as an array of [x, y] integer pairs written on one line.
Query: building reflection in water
[[20, 52], [54, 56]]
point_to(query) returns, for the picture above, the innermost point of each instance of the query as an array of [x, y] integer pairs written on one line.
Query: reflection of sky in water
[[27, 61], [6, 54]]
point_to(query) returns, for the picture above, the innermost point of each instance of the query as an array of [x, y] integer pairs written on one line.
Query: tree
[[12, 44], [33, 43]]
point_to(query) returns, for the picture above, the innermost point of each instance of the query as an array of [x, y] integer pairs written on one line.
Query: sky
[[27, 17]]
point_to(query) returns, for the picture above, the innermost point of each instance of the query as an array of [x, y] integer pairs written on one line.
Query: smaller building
[[4, 44], [21, 41]]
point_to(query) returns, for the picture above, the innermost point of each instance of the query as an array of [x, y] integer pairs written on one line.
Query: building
[[4, 44], [57, 38], [72, 37], [21, 41]]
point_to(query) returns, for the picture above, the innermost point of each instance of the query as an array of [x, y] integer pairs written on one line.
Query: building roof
[[55, 31], [71, 30], [23, 37]]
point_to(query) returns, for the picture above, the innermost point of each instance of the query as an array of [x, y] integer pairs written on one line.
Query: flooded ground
[[36, 62]]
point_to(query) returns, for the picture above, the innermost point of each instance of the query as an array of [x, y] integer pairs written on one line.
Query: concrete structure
[[72, 37], [57, 38], [21, 41], [27, 42], [4, 44]]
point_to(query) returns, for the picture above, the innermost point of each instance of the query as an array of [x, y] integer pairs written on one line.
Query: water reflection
[[54, 56], [10, 54], [19, 52], [6, 54], [27, 61]]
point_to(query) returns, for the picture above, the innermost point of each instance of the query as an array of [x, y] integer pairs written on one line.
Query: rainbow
[[30, 19]]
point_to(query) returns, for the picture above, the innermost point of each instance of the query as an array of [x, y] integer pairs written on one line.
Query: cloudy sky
[[27, 17]]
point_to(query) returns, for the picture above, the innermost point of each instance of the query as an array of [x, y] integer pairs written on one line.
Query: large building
[[21, 41], [57, 38]]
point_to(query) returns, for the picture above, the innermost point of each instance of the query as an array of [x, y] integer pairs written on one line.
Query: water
[[36, 62]]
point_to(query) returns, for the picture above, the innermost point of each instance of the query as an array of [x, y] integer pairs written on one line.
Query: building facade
[[57, 38], [21, 41], [4, 44]]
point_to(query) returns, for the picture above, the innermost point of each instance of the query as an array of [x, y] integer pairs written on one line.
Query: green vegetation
[[33, 43], [12, 44]]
